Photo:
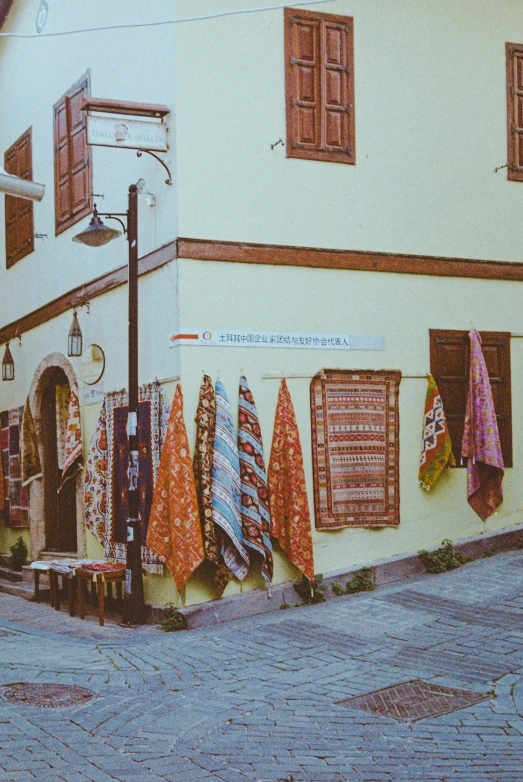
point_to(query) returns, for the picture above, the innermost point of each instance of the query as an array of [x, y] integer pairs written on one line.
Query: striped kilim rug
[[355, 448]]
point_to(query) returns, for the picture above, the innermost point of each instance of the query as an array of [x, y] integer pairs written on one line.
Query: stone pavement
[[257, 699]]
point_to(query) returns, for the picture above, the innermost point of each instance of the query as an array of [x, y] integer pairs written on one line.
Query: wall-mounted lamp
[[75, 340], [97, 233], [8, 365]]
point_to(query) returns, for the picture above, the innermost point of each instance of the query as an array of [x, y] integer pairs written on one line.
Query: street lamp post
[[134, 607], [96, 235]]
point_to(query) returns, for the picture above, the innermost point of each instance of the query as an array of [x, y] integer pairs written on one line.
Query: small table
[[100, 575], [66, 569]]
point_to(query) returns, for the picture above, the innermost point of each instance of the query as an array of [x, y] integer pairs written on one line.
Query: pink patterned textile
[[73, 437], [481, 446]]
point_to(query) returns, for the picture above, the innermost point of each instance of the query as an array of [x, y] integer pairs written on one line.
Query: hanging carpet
[[31, 467], [15, 495], [481, 444], [106, 479], [226, 488], [203, 457], [291, 521], [62, 393], [174, 532], [73, 437], [256, 517], [436, 446], [355, 448]]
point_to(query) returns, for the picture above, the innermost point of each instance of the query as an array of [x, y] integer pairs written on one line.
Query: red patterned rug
[[355, 448]]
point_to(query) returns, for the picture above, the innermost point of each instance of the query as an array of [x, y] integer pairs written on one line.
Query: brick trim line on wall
[[273, 255]]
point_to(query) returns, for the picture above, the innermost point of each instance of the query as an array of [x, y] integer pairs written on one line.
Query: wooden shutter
[[19, 230], [514, 55], [449, 364], [319, 86], [72, 158]]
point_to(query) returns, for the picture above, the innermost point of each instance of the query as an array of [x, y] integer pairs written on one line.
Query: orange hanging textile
[[174, 533], [291, 521]]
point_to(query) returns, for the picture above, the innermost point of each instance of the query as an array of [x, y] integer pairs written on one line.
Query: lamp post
[[96, 235]]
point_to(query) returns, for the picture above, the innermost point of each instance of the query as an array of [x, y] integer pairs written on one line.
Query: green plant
[[284, 605], [174, 621], [337, 588], [311, 592], [361, 582], [18, 554], [444, 558]]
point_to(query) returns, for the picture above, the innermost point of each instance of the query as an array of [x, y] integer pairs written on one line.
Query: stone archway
[[36, 488]]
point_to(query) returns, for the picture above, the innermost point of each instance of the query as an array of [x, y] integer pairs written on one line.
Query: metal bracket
[[280, 141], [168, 181], [507, 165], [115, 216]]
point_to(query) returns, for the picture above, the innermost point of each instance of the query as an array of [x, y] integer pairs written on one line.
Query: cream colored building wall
[[430, 130], [130, 64], [403, 308]]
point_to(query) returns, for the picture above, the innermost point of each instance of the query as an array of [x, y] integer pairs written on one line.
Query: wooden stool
[[68, 586], [37, 568], [99, 578]]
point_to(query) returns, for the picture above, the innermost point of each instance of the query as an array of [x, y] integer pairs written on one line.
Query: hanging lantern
[[8, 365], [74, 342]]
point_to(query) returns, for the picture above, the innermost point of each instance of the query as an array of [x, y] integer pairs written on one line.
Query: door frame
[[36, 487]]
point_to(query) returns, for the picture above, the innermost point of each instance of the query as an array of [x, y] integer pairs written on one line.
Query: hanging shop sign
[[279, 339], [128, 133], [93, 364]]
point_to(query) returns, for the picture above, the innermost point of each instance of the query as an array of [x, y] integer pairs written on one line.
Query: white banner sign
[[128, 133], [278, 339]]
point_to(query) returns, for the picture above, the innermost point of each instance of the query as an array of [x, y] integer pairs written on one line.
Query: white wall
[[430, 130], [133, 64]]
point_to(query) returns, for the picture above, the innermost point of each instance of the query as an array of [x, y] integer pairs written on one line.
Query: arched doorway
[[56, 518], [59, 499]]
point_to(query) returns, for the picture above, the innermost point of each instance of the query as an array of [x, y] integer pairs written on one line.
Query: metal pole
[[134, 607]]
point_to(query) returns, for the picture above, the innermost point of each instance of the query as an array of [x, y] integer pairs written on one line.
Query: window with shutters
[[449, 365], [514, 52], [319, 78], [72, 157], [19, 240]]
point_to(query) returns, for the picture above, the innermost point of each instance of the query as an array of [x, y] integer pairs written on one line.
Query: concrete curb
[[263, 601]]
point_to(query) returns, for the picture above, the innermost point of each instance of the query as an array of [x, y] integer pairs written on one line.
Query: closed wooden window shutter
[[449, 364], [319, 55], [514, 55], [72, 158], [19, 230]]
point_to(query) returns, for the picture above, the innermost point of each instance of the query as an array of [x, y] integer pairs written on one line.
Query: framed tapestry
[[355, 448]]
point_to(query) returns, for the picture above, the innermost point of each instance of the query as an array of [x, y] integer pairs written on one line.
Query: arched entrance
[[55, 512], [59, 500]]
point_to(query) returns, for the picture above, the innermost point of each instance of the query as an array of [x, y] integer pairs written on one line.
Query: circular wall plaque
[[93, 364]]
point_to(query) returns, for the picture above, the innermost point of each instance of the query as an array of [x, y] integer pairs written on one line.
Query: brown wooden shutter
[[449, 363], [514, 56], [319, 86], [72, 158], [19, 240]]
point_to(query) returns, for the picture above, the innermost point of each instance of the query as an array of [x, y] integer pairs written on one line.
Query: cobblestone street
[[257, 699]]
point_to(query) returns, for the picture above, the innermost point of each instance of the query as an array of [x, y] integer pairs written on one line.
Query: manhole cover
[[414, 700], [46, 696]]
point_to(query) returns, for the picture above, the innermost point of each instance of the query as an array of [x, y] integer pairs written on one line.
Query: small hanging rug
[[355, 448], [436, 446]]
